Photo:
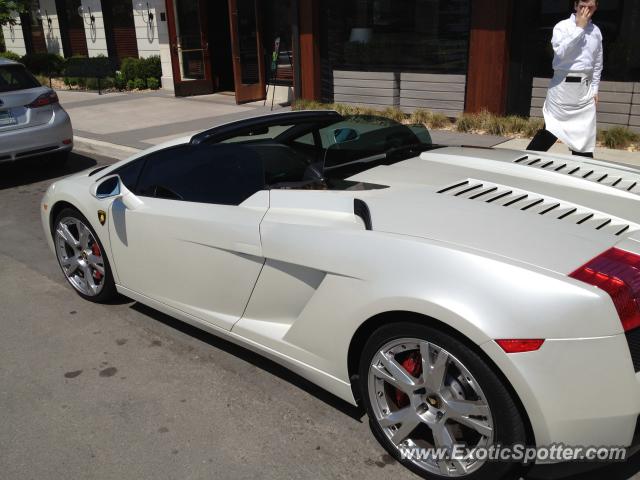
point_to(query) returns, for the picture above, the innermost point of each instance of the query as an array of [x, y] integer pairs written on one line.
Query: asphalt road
[[124, 392]]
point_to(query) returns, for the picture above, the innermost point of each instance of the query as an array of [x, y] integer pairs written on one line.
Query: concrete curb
[[106, 149]]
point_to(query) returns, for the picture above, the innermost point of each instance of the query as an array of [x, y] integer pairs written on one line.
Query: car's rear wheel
[[425, 389], [82, 257]]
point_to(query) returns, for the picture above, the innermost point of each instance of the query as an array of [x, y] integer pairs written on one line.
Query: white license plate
[[6, 118]]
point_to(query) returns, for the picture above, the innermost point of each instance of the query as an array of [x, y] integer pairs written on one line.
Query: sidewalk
[[137, 121], [120, 124]]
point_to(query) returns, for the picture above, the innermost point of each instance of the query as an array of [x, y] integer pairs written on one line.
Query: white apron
[[570, 111]]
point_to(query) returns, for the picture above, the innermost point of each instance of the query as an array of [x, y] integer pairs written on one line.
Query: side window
[[258, 133], [220, 174], [306, 139], [130, 173]]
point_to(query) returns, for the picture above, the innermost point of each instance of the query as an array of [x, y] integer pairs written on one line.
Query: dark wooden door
[[246, 46], [189, 41]]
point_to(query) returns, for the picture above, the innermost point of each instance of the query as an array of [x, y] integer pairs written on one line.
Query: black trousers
[[544, 140]]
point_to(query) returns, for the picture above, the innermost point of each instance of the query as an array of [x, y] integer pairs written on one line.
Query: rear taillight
[[520, 345], [44, 99], [617, 272]]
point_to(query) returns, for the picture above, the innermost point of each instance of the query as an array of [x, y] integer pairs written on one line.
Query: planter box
[[619, 103], [435, 92], [370, 89]]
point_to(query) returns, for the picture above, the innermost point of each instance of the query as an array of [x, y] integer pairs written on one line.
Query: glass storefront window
[[401, 35], [276, 24], [190, 51]]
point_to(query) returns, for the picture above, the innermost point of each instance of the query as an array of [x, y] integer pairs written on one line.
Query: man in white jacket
[[570, 107]]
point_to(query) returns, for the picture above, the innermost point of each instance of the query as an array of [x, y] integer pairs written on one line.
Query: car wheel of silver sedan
[[425, 391], [82, 257]]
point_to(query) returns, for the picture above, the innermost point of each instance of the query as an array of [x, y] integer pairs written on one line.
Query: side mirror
[[112, 187], [342, 135], [108, 187]]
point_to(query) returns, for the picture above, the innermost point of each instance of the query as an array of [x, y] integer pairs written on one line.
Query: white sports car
[[460, 295]]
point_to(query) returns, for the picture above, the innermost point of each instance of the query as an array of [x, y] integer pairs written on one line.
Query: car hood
[[553, 211]]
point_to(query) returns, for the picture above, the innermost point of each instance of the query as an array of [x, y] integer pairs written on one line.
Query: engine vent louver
[[586, 172], [535, 204]]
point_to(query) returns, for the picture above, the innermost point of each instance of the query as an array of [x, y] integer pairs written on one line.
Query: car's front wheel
[[82, 257], [424, 389]]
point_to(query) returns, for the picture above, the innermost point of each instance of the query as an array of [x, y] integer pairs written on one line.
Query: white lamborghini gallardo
[[460, 295]]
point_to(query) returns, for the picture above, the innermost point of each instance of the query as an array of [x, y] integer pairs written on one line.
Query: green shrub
[[152, 67], [421, 116], [495, 126], [11, 56], [435, 120], [394, 113], [153, 83], [465, 123], [438, 120], [43, 79], [128, 68], [131, 85], [49, 64], [302, 104], [515, 124], [533, 125], [119, 81], [139, 84], [141, 68], [617, 137], [78, 66]]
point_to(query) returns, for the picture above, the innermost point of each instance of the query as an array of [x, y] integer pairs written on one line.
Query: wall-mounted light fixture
[[145, 12], [46, 15], [84, 12]]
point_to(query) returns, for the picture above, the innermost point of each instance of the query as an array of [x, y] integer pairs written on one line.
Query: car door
[[194, 243]]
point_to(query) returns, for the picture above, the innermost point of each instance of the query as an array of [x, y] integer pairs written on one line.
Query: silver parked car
[[32, 122]]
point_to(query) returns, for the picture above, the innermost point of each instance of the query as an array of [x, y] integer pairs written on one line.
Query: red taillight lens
[[520, 345], [44, 99], [618, 273]]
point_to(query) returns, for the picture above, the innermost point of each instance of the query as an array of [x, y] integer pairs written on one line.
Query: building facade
[[445, 55]]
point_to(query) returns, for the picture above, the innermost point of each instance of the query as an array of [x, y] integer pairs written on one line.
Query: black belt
[[573, 79]]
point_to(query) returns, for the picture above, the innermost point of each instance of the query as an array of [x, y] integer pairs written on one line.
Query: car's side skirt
[[328, 382]]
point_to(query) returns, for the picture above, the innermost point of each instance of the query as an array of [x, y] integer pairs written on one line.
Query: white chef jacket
[[578, 49], [570, 109]]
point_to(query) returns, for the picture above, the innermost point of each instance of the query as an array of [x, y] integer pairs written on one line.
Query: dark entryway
[[74, 41], [120, 30], [220, 46], [33, 32], [216, 45]]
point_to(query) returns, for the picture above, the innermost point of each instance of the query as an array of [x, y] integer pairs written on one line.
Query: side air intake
[[602, 175], [530, 203]]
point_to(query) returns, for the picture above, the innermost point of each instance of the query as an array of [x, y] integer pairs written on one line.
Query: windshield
[[361, 142], [303, 150], [15, 77]]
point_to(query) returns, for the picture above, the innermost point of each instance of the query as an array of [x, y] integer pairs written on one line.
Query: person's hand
[[596, 98], [583, 15]]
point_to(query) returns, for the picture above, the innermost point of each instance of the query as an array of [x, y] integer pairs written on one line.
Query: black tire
[[108, 291], [509, 427]]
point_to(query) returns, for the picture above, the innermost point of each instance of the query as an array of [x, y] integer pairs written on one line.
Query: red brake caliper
[[95, 249], [413, 365]]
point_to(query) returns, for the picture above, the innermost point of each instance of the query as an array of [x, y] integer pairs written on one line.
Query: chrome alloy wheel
[[79, 256], [424, 397]]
